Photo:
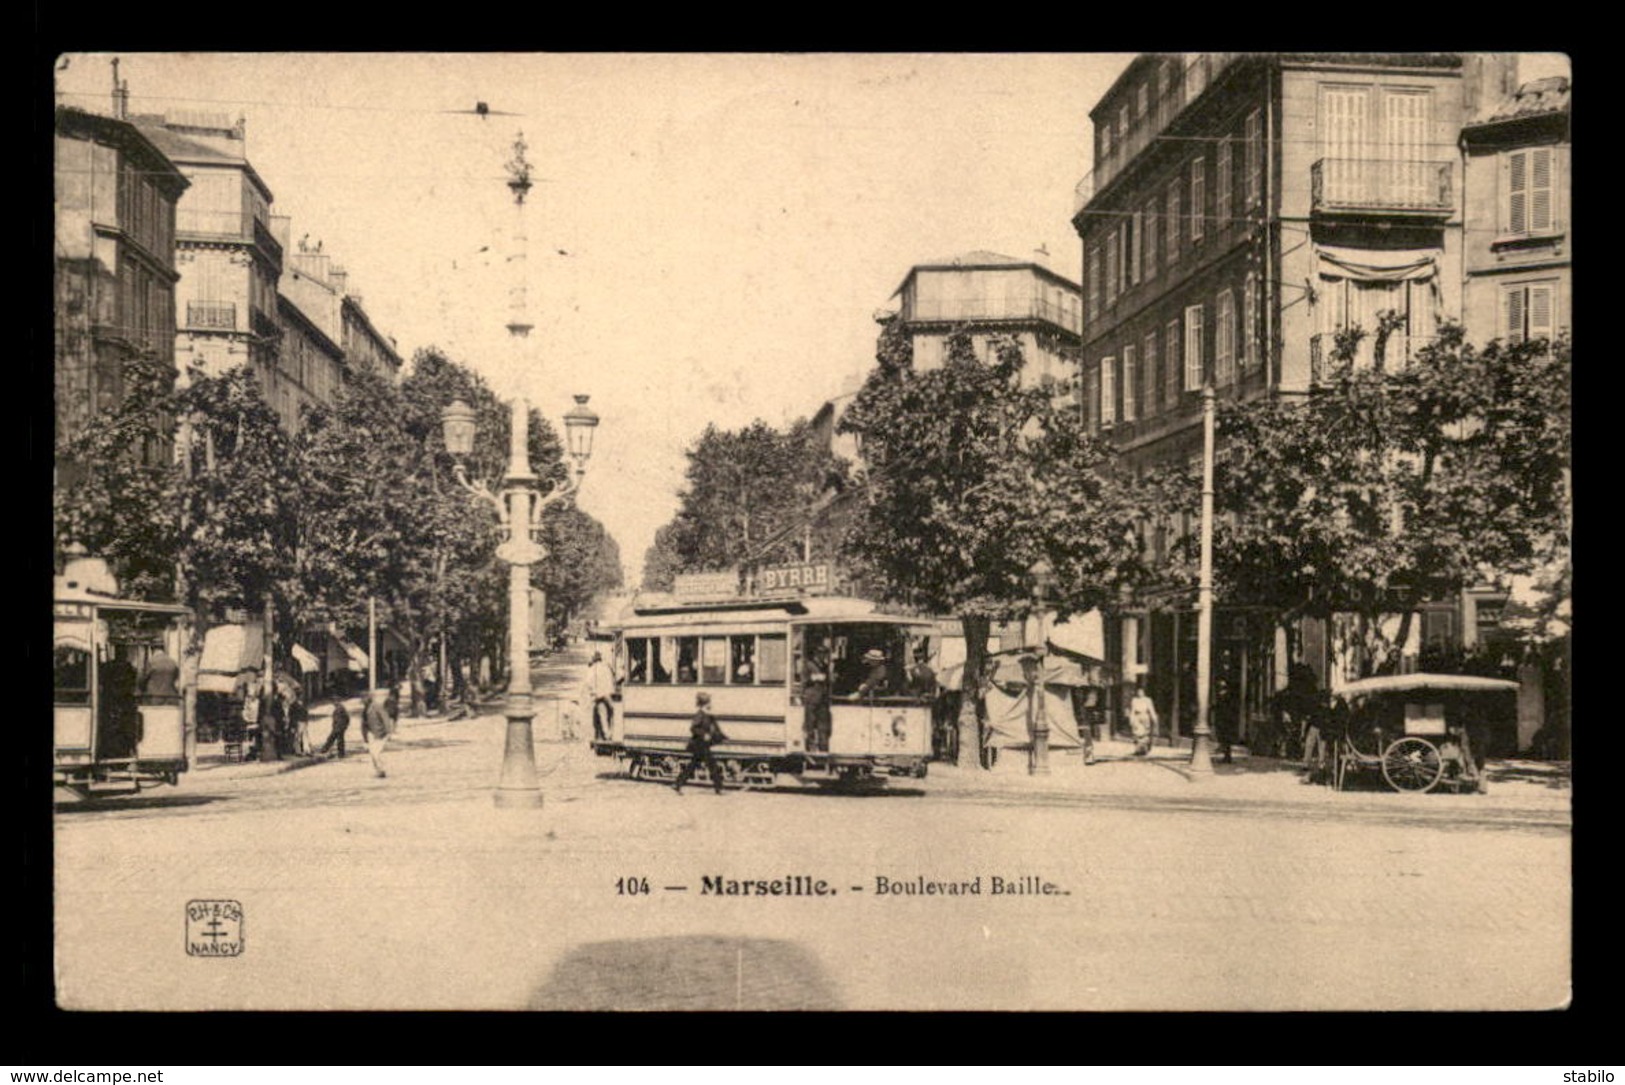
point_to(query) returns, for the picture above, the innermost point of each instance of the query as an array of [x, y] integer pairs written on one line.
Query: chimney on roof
[[121, 94], [1041, 256]]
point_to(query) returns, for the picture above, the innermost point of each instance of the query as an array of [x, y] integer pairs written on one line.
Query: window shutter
[[1108, 391], [1131, 385], [1136, 237], [1198, 196], [1517, 192], [1224, 339], [1171, 222], [1540, 189], [1514, 313], [1193, 347], [1221, 188], [1249, 320], [1153, 386], [1150, 239], [1540, 312], [1170, 364]]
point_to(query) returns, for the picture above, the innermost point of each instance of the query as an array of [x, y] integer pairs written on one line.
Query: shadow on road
[[103, 803], [1553, 774], [688, 973], [859, 791]]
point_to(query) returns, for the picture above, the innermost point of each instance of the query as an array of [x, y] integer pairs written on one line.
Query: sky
[[712, 236]]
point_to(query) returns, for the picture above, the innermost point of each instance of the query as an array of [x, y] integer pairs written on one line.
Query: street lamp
[[1043, 577], [520, 504], [1202, 736], [519, 509]]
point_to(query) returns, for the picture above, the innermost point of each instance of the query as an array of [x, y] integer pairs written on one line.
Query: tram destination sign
[[802, 578], [706, 587]]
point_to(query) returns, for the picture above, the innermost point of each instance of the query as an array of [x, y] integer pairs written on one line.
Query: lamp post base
[[1201, 765], [1038, 760], [518, 787]]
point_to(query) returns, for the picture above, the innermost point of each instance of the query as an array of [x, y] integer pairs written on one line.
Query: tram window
[[770, 659], [742, 660], [688, 660], [72, 666], [714, 661], [637, 661], [662, 650]]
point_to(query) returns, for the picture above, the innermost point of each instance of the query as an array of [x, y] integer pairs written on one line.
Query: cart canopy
[[1418, 683]]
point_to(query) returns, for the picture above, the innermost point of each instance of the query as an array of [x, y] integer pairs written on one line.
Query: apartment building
[[114, 264], [1241, 210]]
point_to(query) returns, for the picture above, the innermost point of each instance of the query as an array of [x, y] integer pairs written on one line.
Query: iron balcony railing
[[983, 308], [1377, 185], [211, 315]]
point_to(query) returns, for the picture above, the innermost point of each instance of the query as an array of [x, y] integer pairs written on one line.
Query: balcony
[[1376, 186], [211, 316], [940, 310]]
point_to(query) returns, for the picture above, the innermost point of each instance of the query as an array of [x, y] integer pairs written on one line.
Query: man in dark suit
[[703, 733]]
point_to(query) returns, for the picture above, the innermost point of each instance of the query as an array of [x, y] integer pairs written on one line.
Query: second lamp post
[[519, 512]]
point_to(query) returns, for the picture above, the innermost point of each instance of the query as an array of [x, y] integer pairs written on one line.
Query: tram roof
[[758, 611]]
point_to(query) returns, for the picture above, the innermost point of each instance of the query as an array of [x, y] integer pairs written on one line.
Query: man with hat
[[703, 733], [875, 682], [815, 700], [376, 725]]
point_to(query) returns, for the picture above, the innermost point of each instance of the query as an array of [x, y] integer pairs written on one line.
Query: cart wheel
[[1412, 764]]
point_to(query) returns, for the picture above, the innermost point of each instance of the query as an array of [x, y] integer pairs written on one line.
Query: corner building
[[1242, 209]]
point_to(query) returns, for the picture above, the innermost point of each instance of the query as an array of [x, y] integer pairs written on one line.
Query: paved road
[[413, 892]]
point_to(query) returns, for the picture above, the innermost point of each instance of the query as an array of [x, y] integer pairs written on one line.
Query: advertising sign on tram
[[706, 587], [802, 578]]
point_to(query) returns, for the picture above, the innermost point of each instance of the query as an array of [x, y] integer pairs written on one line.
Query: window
[[1221, 184], [1094, 284], [1198, 196], [1142, 98], [770, 659], [1527, 179], [1131, 385], [1105, 142], [1193, 347], [1224, 339], [1111, 268], [637, 661], [1348, 303], [1149, 239], [1528, 311], [1254, 177], [1249, 323], [1134, 227], [714, 661], [1153, 388], [1089, 390], [1170, 223], [687, 653], [1170, 364], [1108, 391]]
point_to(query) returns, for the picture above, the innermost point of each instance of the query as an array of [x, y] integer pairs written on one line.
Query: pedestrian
[[703, 734], [876, 681], [298, 722], [335, 734], [601, 687], [162, 678], [815, 702], [570, 715], [1142, 719], [377, 724]]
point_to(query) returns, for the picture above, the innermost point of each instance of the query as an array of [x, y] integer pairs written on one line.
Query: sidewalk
[[1513, 784]]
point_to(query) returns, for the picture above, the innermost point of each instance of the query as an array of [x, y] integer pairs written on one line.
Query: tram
[[828, 690], [119, 716]]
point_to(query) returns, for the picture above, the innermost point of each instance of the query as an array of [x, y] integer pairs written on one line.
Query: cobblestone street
[[412, 892]]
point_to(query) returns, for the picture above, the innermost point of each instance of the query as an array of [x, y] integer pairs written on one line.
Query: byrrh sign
[[805, 578]]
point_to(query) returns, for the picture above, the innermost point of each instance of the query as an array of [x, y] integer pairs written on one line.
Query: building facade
[[227, 250], [994, 296], [116, 195], [1242, 210]]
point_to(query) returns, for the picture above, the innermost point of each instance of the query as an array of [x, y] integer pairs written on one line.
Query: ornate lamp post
[[1202, 736], [1038, 714], [519, 510]]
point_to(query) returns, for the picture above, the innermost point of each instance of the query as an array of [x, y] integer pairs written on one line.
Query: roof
[[188, 151], [1407, 683], [982, 258], [132, 140], [1540, 98]]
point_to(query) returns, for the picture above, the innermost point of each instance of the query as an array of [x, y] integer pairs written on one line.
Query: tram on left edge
[[114, 728]]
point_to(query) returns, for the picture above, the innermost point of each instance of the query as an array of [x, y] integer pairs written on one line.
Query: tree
[[583, 562], [1389, 486], [662, 562], [747, 499], [971, 478]]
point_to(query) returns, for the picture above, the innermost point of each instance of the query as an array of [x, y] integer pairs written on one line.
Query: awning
[[227, 650], [306, 659], [1377, 265], [358, 659]]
